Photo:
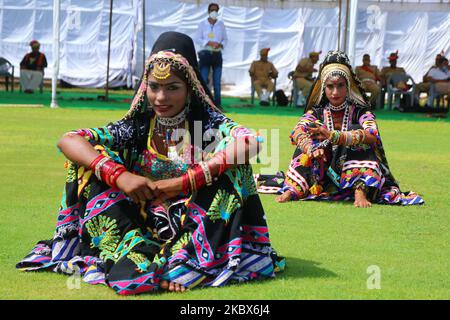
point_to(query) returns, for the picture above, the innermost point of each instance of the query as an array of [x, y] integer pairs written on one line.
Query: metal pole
[[143, 34], [346, 25], [56, 11], [109, 48], [339, 25], [352, 33]]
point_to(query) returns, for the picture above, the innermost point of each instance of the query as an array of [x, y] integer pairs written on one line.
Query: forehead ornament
[[161, 70]]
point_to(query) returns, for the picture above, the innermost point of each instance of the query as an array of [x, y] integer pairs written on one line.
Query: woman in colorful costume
[[150, 202], [339, 154]]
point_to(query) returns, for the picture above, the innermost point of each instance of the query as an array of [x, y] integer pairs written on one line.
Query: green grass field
[[328, 246]]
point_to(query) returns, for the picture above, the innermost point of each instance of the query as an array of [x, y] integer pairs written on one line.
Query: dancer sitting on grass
[[139, 212], [339, 154]]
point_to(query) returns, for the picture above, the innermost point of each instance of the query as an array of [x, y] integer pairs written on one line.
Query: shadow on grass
[[299, 268]]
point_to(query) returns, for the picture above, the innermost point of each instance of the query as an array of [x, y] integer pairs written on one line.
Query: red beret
[[34, 43]]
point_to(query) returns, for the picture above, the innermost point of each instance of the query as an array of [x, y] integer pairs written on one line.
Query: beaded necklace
[[317, 171], [172, 121], [339, 107], [329, 118], [164, 126], [166, 133]]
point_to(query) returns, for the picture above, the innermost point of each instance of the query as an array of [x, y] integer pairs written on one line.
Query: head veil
[[176, 49], [336, 63]]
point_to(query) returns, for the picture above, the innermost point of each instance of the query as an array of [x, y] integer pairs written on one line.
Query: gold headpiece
[[332, 70], [161, 71]]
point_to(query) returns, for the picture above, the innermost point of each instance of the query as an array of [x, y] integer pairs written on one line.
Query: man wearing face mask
[[212, 37]]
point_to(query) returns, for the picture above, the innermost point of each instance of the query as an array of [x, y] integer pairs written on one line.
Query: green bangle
[[334, 136]]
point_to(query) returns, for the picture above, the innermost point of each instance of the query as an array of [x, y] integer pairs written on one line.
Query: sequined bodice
[[157, 167]]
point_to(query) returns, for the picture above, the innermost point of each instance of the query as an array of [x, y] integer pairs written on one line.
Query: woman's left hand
[[168, 188], [319, 133]]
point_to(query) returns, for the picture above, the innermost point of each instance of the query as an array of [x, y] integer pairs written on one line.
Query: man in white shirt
[[424, 86], [211, 37], [440, 77]]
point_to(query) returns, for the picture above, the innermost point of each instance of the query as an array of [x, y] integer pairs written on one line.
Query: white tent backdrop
[[290, 28], [83, 37]]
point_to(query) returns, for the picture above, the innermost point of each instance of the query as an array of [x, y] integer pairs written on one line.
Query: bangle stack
[[107, 170], [197, 177], [335, 136], [193, 180], [304, 143], [347, 138], [221, 160], [206, 172]]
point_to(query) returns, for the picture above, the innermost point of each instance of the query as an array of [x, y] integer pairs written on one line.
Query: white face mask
[[213, 15]]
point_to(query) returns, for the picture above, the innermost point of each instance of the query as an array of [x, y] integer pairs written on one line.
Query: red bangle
[[95, 161], [221, 159], [109, 170], [118, 171], [199, 177], [106, 171], [185, 183]]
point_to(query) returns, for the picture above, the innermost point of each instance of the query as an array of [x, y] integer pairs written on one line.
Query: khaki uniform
[[387, 71], [369, 77], [261, 73], [442, 87], [424, 86], [304, 79]]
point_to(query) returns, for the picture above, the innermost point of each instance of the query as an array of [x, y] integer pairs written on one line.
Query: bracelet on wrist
[[106, 170]]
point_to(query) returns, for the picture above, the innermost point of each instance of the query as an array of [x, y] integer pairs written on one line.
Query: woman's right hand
[[320, 133], [318, 153], [137, 187]]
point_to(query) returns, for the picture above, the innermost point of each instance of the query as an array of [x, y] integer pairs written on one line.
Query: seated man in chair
[[304, 71], [440, 78], [370, 78], [393, 70], [32, 68], [424, 86], [262, 72]]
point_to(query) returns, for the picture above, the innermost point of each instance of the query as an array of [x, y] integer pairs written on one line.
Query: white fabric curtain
[[417, 35], [290, 33], [417, 31], [83, 37]]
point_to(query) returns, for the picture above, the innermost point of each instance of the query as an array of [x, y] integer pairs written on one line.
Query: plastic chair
[[378, 103], [41, 85], [295, 90], [7, 71], [253, 91], [436, 99], [393, 92]]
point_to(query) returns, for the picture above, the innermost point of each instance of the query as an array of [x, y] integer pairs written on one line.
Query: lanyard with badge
[[211, 34]]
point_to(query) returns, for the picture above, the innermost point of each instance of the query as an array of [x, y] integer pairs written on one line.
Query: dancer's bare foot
[[361, 199], [172, 286], [286, 196]]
